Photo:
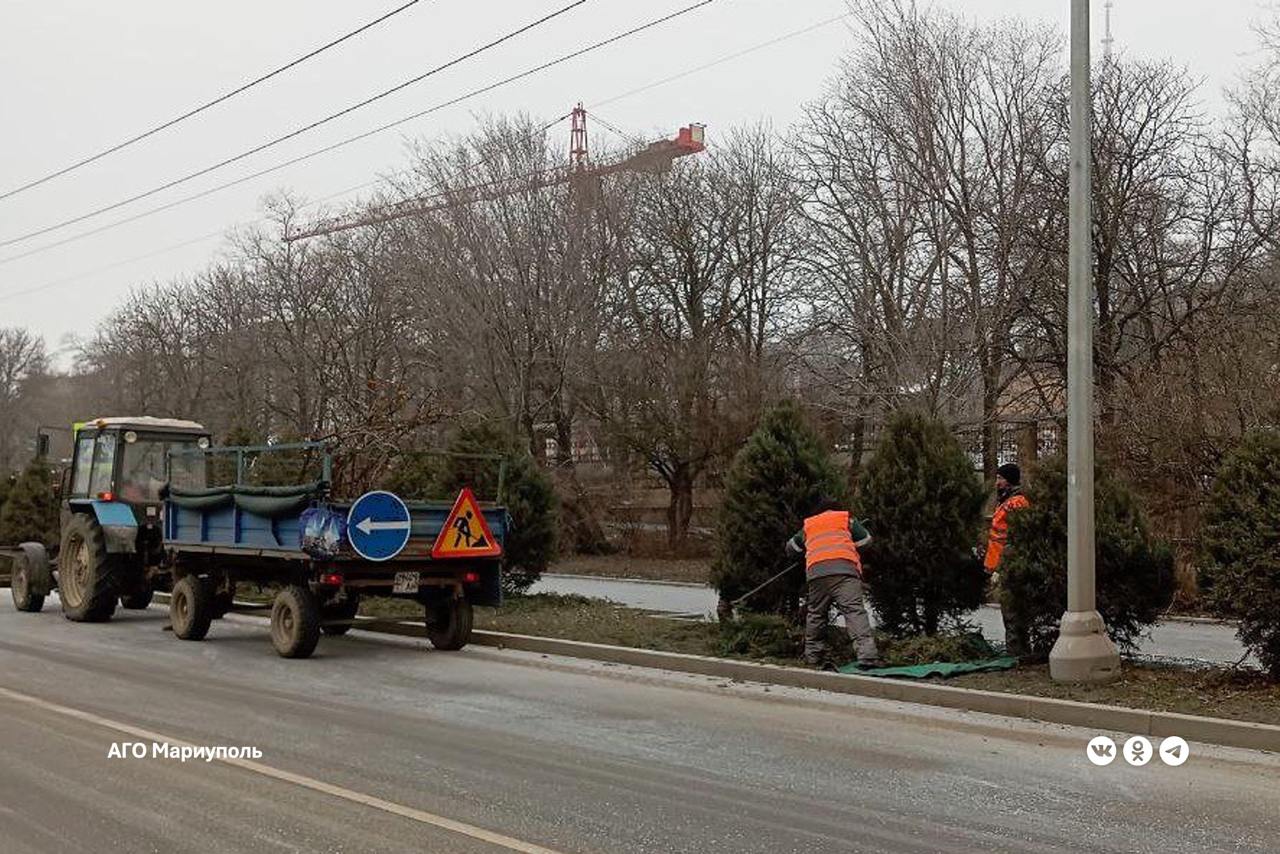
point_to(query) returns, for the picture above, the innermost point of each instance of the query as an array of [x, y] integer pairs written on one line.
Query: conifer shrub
[[30, 509], [1240, 575], [923, 503], [778, 475], [1134, 570], [528, 494]]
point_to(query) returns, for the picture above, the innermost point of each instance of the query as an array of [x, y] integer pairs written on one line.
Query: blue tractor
[[139, 514], [111, 549]]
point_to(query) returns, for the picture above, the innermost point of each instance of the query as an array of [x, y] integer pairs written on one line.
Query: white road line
[[401, 810]]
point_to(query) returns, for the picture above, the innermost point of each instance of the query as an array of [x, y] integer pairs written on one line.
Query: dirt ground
[[1217, 692]]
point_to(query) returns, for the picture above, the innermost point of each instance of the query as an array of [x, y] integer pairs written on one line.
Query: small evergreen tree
[[781, 471], [1241, 536], [1134, 570], [419, 476], [30, 511], [528, 494], [924, 502]]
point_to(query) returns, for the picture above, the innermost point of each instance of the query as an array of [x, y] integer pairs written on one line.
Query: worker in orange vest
[[1009, 498], [829, 542]]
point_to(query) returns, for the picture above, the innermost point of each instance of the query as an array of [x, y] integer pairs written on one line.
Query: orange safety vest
[[1000, 529], [826, 537]]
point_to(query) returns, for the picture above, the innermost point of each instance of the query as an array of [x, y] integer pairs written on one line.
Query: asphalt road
[[377, 744], [1213, 643]]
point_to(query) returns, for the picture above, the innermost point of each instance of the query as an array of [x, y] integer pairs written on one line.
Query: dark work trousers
[[845, 592], [1016, 640]]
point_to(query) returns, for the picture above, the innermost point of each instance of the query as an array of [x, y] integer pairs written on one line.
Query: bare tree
[[1170, 229], [923, 169], [509, 278], [690, 353], [879, 305]]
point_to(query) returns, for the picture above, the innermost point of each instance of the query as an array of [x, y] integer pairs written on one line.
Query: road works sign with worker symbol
[[378, 525], [465, 532]]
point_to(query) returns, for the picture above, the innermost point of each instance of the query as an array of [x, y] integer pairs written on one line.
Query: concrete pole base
[[1083, 652]]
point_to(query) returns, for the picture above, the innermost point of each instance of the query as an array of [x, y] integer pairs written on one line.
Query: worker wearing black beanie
[[1011, 473], [1009, 498]]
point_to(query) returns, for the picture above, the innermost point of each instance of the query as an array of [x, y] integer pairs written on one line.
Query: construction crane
[[581, 174]]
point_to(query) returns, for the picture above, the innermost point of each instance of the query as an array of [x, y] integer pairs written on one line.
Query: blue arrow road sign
[[378, 525]]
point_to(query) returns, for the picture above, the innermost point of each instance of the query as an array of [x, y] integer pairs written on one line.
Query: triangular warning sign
[[465, 532]]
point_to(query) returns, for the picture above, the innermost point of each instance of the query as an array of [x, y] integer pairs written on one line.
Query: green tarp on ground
[[937, 668]]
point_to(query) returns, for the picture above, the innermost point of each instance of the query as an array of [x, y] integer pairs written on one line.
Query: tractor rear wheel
[[88, 577], [344, 608], [449, 623], [190, 608], [295, 622]]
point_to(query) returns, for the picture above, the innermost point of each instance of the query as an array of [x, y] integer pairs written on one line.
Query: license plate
[[406, 582]]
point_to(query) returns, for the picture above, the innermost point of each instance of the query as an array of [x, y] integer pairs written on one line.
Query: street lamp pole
[[1083, 652]]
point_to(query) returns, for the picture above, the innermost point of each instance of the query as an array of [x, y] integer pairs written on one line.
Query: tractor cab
[[119, 469]]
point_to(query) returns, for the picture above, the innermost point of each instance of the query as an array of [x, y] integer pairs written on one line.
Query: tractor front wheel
[[138, 600]]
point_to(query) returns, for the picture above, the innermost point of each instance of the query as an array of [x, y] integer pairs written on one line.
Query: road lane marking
[[411, 813]]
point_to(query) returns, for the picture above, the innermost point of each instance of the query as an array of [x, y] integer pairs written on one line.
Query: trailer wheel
[[21, 583], [295, 622], [449, 623], [190, 608], [138, 600], [344, 608], [88, 577]]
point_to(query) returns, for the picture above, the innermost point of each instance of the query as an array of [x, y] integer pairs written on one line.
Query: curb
[[1220, 731], [1229, 733]]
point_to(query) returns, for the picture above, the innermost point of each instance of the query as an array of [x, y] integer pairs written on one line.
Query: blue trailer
[[149, 519]]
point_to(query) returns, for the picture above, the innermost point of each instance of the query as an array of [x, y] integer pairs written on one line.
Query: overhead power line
[[630, 93], [75, 277], [206, 105], [301, 130], [164, 250], [613, 99], [528, 72], [719, 61]]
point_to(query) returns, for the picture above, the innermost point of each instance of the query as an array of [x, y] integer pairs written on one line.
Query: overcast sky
[[79, 76]]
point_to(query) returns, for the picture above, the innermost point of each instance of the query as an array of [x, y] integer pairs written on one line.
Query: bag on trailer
[[322, 532]]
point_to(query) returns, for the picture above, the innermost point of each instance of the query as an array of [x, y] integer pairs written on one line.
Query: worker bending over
[[829, 542]]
